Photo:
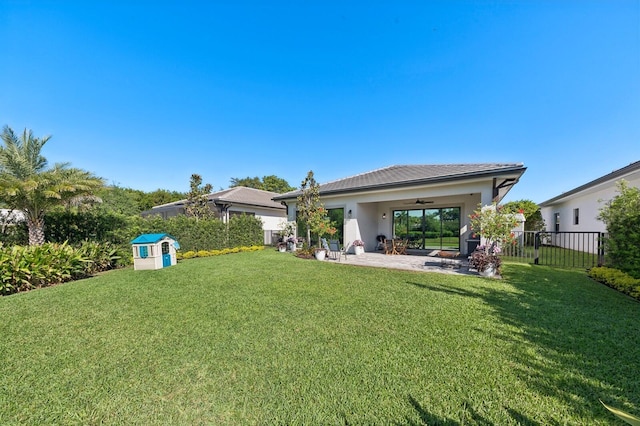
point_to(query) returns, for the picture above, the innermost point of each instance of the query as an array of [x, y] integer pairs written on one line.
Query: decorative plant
[[482, 258], [288, 230], [358, 243], [494, 226], [320, 224]]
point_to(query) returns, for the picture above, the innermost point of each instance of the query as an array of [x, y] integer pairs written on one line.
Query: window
[[556, 220], [576, 216], [428, 229], [144, 251]]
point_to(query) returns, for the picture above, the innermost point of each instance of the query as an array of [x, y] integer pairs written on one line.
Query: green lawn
[[266, 338]]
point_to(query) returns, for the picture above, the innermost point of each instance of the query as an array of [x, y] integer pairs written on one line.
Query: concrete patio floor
[[414, 262]]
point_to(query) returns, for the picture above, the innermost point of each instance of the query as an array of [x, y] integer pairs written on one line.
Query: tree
[[197, 199], [268, 183], [275, 184], [308, 202], [159, 196], [311, 211], [27, 184], [621, 215], [531, 211]]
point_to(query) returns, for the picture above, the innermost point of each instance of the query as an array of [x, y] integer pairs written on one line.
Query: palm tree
[[27, 184]]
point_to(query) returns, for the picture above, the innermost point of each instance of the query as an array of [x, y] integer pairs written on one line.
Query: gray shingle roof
[[410, 175], [239, 195], [614, 175]]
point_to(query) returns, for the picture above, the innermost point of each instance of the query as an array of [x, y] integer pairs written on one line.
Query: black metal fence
[[563, 249]]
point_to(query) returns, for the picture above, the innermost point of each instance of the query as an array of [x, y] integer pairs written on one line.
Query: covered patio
[[427, 205]]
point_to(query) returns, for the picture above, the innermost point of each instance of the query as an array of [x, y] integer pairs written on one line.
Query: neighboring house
[[427, 204], [235, 201], [577, 210]]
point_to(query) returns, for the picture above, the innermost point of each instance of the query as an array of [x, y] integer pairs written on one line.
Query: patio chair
[[388, 246], [334, 249], [400, 246]]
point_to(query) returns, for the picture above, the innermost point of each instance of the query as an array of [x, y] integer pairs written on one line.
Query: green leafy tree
[[267, 183], [197, 199], [494, 225], [158, 197], [275, 184], [248, 182], [308, 204], [621, 216], [29, 185], [119, 200], [531, 211]]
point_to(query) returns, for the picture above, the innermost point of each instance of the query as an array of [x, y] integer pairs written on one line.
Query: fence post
[[601, 249], [536, 246]]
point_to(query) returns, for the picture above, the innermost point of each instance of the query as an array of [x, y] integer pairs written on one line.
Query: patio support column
[[486, 198]]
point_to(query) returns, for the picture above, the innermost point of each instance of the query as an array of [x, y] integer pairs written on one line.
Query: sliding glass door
[[428, 229]]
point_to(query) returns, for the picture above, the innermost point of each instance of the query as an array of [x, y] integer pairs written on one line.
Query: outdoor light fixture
[[384, 215], [349, 213]]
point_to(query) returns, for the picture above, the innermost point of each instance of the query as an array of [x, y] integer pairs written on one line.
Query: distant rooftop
[[237, 195]]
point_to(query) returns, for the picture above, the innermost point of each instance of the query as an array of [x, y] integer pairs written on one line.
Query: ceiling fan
[[419, 201]]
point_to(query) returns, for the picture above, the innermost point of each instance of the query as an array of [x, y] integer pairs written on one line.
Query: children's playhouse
[[154, 251]]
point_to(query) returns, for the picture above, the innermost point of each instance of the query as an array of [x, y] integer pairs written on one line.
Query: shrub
[[622, 218], [24, 268], [617, 279], [188, 254]]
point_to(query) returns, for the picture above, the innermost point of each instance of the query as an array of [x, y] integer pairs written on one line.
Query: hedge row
[[208, 253], [193, 235], [617, 279], [26, 268]]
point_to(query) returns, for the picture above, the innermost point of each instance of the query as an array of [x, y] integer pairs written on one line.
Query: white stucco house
[[428, 204], [235, 201], [577, 210]]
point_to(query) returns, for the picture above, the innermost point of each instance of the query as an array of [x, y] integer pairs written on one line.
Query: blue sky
[[145, 93]]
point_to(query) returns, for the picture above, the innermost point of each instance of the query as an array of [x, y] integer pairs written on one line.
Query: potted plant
[[282, 247], [292, 243], [358, 247], [486, 262], [320, 225]]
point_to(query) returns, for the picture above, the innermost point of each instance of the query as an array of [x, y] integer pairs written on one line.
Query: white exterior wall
[[589, 203]]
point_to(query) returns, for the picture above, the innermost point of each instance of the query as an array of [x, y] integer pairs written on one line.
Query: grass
[[266, 338]]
